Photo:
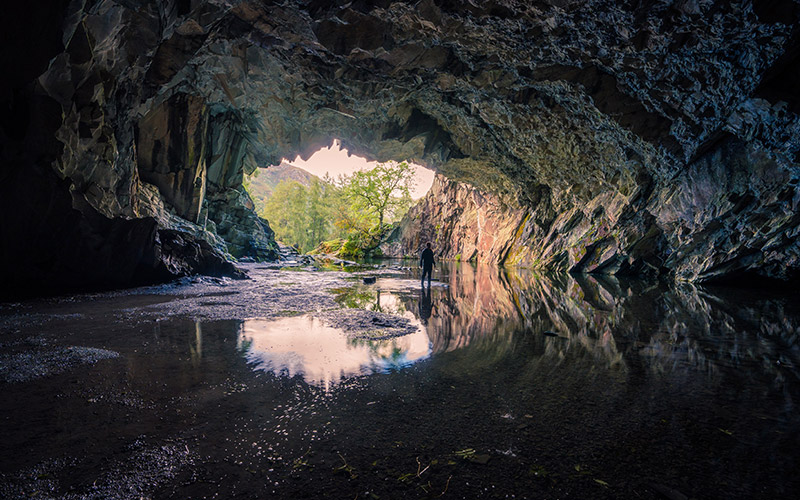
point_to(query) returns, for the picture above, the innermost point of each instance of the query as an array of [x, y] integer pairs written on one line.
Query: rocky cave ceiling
[[554, 107]]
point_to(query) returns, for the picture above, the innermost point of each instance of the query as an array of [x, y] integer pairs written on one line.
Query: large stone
[[730, 216]]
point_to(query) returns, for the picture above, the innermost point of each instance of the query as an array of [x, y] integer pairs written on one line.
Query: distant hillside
[[262, 185]]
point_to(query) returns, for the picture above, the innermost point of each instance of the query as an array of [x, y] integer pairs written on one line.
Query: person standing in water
[[426, 263]]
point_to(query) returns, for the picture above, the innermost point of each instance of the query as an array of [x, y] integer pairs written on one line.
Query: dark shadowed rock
[[171, 153]]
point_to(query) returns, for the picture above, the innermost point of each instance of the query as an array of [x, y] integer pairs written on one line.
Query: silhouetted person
[[425, 306], [426, 263]]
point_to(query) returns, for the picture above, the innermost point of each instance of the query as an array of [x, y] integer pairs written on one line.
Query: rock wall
[[730, 215], [230, 211], [461, 222], [171, 153], [104, 184], [609, 127]]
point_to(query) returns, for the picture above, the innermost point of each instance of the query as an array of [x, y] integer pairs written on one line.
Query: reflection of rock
[[477, 306], [630, 326], [368, 325]]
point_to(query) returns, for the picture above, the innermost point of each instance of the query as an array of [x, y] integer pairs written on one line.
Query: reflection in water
[[633, 379], [323, 355], [425, 306], [573, 387], [631, 327], [196, 350]]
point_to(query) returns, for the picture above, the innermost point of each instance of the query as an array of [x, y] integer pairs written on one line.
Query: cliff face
[[461, 222], [730, 214], [623, 136]]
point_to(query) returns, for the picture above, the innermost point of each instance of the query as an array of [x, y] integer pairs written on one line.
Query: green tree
[[349, 214], [318, 212], [286, 212], [382, 191]]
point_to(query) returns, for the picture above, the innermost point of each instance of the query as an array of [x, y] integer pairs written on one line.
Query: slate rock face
[[171, 153], [730, 216], [640, 137], [60, 248]]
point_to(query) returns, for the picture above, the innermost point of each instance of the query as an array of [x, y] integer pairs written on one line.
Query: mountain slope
[[264, 183]]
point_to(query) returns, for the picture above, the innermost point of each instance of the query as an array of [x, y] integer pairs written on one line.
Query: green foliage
[[383, 191], [356, 298], [329, 247], [286, 212], [353, 247], [347, 217]]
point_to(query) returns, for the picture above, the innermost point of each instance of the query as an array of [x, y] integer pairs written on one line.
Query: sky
[[335, 161]]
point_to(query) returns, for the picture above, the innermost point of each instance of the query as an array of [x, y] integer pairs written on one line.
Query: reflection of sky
[[321, 354], [393, 304], [390, 303]]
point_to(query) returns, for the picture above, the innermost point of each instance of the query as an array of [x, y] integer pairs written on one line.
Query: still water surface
[[321, 355], [513, 385]]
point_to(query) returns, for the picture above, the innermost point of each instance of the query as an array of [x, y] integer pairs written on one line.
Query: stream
[[491, 384]]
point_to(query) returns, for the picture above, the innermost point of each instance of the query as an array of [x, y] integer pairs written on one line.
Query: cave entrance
[[336, 202]]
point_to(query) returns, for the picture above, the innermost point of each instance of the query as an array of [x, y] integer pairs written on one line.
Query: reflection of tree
[[244, 345], [387, 350], [369, 299], [356, 298], [196, 348]]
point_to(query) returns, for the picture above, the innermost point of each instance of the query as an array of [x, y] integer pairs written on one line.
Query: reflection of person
[[425, 306], [426, 263]]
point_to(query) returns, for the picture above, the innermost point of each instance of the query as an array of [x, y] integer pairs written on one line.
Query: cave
[[616, 183]]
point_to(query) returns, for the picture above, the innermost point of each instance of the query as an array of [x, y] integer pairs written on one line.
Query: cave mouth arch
[[310, 201], [630, 138], [335, 160]]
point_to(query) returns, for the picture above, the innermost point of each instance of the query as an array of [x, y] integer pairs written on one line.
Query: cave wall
[[171, 153], [230, 211], [640, 136], [104, 180], [730, 216], [461, 222]]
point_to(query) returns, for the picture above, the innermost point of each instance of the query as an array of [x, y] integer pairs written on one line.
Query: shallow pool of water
[[306, 347], [513, 385]]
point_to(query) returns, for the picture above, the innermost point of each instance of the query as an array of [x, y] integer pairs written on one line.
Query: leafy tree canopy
[[351, 214]]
